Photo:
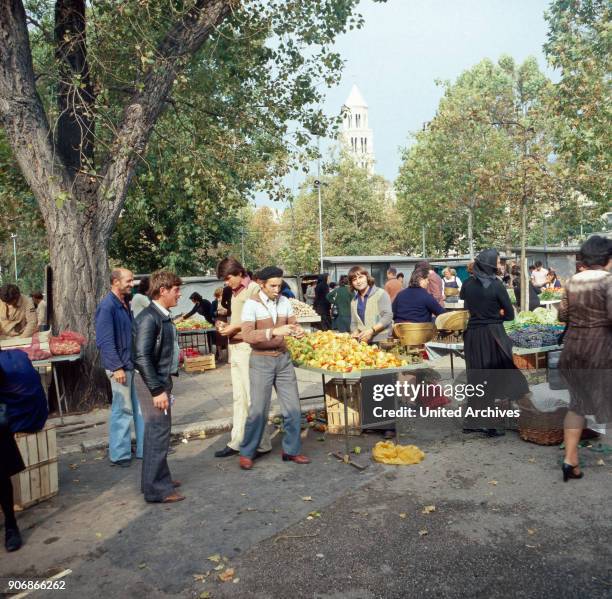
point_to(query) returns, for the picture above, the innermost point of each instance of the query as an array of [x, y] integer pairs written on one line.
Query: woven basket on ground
[[542, 428]]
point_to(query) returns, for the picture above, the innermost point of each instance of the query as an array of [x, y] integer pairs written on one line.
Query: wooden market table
[[354, 375], [192, 338], [60, 389]]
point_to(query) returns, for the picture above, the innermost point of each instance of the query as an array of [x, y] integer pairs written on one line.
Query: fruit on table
[[339, 352], [188, 325]]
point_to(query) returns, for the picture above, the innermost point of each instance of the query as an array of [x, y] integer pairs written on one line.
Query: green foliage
[[359, 217], [485, 153], [579, 45], [20, 216]]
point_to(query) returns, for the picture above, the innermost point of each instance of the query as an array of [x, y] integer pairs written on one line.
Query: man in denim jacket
[[114, 340]]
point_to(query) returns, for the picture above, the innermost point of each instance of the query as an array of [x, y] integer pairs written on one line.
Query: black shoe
[[226, 452], [122, 463], [12, 539], [261, 454], [568, 472]]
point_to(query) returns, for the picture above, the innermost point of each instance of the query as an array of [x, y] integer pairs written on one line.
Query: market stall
[[305, 314], [346, 361], [196, 333]]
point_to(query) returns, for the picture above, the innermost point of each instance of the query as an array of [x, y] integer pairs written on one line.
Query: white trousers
[[239, 355]]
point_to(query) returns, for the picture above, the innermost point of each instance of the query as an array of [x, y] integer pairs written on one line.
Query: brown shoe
[[245, 463], [298, 459], [173, 498], [176, 483]]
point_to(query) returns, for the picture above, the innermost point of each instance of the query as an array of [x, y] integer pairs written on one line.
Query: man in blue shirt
[[114, 340]]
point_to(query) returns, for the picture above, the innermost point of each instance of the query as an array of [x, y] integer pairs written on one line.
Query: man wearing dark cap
[[267, 318]]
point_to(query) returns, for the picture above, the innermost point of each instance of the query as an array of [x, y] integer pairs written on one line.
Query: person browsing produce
[[371, 313]]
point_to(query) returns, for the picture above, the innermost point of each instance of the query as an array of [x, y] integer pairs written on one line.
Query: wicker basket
[[451, 291], [414, 333], [453, 321], [542, 428]]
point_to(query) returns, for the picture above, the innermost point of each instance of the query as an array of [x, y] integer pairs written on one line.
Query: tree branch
[[144, 107], [23, 116]]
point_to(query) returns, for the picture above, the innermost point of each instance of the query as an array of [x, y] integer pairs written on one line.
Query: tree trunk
[[78, 255], [523, 302], [471, 231]]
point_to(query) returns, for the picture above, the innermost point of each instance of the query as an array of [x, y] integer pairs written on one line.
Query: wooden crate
[[199, 363], [39, 481], [533, 365], [335, 407]]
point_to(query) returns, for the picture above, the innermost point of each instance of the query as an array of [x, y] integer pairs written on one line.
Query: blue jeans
[[125, 408], [266, 372]]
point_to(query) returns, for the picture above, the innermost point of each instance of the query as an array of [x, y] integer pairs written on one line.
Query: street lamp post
[[318, 186], [14, 238]]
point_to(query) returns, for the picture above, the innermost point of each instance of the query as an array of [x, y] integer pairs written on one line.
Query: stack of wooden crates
[[39, 480], [199, 363]]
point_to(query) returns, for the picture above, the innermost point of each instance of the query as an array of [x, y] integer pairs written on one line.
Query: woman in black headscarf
[[488, 349]]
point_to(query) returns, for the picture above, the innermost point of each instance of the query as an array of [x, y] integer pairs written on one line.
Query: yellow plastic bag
[[390, 453]]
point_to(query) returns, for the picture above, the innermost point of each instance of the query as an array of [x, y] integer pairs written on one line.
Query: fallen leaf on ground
[[214, 558], [315, 514], [492, 482], [600, 462], [227, 575], [402, 515], [236, 580], [99, 535], [199, 577], [185, 441], [531, 531], [205, 595], [309, 518], [320, 555], [219, 567], [307, 498], [423, 533], [428, 509], [73, 466], [141, 566], [532, 460]]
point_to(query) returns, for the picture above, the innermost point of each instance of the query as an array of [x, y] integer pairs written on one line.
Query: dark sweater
[[484, 304], [415, 304]]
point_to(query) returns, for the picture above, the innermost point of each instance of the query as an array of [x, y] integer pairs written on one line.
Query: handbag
[[334, 309]]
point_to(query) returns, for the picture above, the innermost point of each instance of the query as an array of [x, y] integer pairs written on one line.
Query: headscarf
[[485, 267]]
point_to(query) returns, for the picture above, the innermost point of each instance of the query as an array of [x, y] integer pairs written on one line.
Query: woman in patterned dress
[[586, 360]]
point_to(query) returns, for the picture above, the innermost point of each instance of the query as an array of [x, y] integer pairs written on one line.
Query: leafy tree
[[579, 45], [359, 217], [85, 86]]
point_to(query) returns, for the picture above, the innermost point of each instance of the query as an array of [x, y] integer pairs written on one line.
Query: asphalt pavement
[[478, 517]]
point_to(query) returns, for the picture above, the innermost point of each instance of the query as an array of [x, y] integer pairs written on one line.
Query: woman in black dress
[[488, 349]]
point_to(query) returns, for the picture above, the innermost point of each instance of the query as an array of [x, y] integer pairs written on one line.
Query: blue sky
[[405, 45]]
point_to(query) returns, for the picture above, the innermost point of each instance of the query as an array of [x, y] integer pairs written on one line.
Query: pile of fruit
[[536, 335], [301, 310], [339, 352], [192, 324]]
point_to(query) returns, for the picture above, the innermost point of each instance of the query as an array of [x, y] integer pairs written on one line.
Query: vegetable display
[[551, 295], [526, 318], [339, 352], [192, 324]]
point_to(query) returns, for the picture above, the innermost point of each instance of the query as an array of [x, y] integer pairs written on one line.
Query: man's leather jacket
[[153, 337]]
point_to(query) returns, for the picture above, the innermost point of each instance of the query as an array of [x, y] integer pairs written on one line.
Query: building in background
[[356, 136]]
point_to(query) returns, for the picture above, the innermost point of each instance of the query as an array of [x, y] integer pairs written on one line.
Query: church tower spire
[[355, 135]]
